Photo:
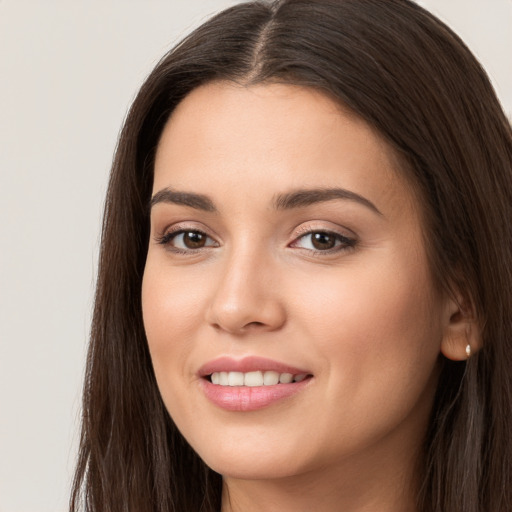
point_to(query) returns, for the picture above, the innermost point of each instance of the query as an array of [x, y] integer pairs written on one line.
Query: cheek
[[170, 310], [378, 330], [170, 307], [172, 298]]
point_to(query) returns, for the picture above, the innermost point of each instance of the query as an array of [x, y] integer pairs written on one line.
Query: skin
[[365, 318]]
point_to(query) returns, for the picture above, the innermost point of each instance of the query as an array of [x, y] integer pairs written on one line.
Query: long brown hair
[[412, 79]]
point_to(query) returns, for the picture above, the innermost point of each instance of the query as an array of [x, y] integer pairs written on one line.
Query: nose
[[246, 298]]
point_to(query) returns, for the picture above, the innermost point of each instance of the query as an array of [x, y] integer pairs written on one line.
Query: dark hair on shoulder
[[414, 81]]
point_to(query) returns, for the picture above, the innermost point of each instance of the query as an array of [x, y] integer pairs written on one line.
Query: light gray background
[[68, 72]]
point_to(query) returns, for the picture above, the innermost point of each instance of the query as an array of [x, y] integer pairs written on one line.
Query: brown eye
[[323, 241], [194, 239], [185, 240]]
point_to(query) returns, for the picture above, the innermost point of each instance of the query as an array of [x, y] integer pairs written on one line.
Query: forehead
[[270, 138]]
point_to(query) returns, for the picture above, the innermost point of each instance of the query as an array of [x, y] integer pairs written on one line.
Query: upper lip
[[247, 364]]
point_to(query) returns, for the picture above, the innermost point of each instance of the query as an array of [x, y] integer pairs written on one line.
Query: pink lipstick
[[250, 383]]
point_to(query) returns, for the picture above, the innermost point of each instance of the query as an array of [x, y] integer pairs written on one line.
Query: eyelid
[[321, 227], [185, 226]]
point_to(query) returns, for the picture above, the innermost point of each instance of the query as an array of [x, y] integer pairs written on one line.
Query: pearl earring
[[468, 350]]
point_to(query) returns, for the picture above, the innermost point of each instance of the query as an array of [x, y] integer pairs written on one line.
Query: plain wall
[[68, 72]]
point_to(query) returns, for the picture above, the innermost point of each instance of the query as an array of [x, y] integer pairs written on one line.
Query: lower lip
[[245, 398]]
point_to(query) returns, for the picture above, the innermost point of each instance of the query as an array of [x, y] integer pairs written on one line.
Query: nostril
[[255, 324], [246, 327]]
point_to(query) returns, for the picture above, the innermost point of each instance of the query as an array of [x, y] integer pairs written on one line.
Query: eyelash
[[168, 237], [343, 243]]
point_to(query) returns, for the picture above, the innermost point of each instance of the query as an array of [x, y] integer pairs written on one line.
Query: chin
[[261, 468], [253, 463]]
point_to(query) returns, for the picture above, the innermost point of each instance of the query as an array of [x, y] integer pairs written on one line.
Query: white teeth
[[257, 378], [253, 379], [270, 378], [236, 378]]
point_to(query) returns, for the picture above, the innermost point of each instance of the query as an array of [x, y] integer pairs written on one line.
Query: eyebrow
[[303, 198], [197, 201], [288, 201]]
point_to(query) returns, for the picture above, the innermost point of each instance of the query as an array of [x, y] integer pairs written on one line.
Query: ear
[[461, 335]]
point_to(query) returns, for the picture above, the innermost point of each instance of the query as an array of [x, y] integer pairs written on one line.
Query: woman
[[304, 295]]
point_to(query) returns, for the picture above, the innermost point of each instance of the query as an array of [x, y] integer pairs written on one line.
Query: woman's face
[[285, 241]]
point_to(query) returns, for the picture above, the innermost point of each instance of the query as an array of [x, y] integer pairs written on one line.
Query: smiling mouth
[[255, 378], [252, 383]]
